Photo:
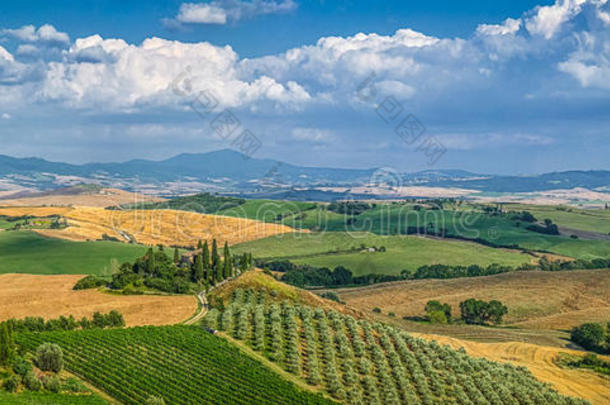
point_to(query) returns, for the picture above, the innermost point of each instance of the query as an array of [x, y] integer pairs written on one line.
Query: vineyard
[[364, 363], [181, 364]]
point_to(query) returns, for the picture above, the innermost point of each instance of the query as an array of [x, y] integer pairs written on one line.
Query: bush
[[437, 317], [89, 282], [152, 400], [49, 357], [377, 310], [74, 385], [590, 336], [392, 314], [32, 382], [12, 383], [21, 366], [481, 312], [52, 384]]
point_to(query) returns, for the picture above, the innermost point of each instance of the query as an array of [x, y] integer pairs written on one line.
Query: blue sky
[[502, 87]]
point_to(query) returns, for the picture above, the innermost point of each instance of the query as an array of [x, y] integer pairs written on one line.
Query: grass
[[39, 398], [465, 221], [593, 220], [28, 252], [182, 364], [402, 252]]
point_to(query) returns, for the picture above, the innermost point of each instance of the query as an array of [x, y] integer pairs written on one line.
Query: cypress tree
[[196, 269], [150, 262], [199, 245], [215, 256], [205, 254], [243, 262], [228, 265], [176, 256]]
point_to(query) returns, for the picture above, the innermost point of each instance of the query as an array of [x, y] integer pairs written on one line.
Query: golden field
[[535, 299], [24, 295], [167, 227], [540, 360]]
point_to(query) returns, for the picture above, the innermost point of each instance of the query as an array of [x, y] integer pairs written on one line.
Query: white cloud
[[46, 33], [221, 11], [201, 14], [131, 76], [6, 55], [547, 20], [510, 26], [6, 116]]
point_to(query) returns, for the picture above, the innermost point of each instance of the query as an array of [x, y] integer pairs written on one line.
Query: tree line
[[303, 275], [113, 319]]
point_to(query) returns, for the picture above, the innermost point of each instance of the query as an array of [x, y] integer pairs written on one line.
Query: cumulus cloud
[[45, 33], [221, 11], [111, 73], [6, 116], [510, 26], [548, 54]]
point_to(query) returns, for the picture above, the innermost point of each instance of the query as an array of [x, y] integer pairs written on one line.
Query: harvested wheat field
[[104, 197], [24, 295], [535, 299], [168, 227], [540, 361]]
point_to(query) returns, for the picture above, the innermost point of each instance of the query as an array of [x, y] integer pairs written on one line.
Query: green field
[[39, 398], [593, 220], [402, 252], [362, 362], [182, 364], [28, 252], [464, 221]]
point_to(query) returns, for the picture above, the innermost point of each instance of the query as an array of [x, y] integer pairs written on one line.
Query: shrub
[[590, 336], [481, 312], [49, 357], [74, 385], [32, 382], [52, 383], [12, 383], [21, 366], [392, 314], [437, 317], [89, 282], [152, 400], [377, 310]]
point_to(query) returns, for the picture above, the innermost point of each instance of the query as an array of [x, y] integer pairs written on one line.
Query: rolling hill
[[231, 171]]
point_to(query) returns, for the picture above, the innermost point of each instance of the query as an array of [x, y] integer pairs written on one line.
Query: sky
[[505, 87]]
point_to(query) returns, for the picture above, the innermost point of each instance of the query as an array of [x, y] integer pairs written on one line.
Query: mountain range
[[228, 171]]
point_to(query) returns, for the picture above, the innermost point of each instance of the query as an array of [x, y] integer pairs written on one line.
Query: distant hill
[[230, 172]]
